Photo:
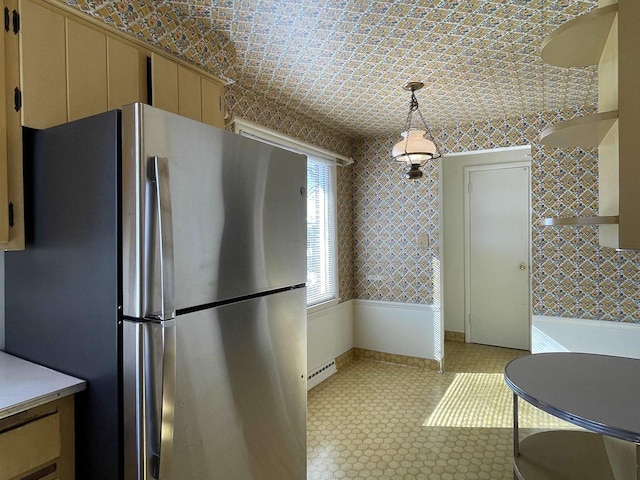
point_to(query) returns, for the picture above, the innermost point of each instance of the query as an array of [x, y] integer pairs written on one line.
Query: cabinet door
[[164, 83], [42, 55], [4, 196], [14, 141], [86, 70], [123, 65], [212, 103], [189, 96]]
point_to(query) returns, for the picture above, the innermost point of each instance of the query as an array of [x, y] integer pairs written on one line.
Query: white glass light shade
[[414, 150]]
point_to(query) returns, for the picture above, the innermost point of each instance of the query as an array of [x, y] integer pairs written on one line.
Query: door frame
[[467, 244]]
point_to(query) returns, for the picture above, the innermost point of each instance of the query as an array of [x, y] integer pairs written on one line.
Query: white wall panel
[[329, 334], [399, 328], [556, 334]]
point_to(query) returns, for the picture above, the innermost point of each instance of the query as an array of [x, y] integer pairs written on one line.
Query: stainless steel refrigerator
[[165, 264]]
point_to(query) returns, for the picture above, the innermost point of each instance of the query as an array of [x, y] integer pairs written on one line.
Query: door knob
[[522, 266]]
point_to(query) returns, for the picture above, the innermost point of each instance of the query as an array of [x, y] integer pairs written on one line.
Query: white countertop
[[25, 385]]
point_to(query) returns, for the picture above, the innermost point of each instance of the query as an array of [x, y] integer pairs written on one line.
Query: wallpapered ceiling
[[380, 213], [345, 61]]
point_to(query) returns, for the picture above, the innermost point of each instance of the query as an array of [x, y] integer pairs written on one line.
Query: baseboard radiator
[[321, 373]]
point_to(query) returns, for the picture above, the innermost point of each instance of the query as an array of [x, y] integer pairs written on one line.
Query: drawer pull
[[43, 472]]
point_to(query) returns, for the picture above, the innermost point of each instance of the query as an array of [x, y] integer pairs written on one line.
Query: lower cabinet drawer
[[30, 445]]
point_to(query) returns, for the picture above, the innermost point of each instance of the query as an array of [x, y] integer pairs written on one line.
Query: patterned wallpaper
[[389, 213], [345, 233], [378, 208], [572, 276]]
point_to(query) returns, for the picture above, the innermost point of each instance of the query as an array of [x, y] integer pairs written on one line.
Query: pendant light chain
[[413, 106], [429, 134]]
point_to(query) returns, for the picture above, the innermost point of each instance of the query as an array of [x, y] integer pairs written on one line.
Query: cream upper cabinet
[[181, 90], [164, 83], [4, 184], [189, 94], [86, 70], [71, 70], [62, 65], [124, 74], [43, 66], [12, 218], [212, 103]]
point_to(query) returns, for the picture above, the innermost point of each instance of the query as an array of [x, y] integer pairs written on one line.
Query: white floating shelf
[[579, 221], [587, 131], [580, 41]]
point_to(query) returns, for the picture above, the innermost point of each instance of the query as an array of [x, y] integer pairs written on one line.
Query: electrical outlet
[[423, 242]]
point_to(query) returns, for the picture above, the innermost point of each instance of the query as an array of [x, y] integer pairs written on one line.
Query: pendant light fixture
[[415, 149]]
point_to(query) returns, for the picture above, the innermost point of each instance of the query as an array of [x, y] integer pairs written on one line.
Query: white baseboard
[[398, 328], [329, 334], [558, 334]]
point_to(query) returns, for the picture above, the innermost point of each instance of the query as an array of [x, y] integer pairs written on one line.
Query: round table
[[597, 392]]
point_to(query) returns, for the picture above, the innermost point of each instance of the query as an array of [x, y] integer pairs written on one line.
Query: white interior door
[[497, 242]]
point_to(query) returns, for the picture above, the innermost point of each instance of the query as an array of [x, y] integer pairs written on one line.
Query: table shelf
[[569, 455], [596, 392]]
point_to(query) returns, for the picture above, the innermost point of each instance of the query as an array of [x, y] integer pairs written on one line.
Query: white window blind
[[321, 232]]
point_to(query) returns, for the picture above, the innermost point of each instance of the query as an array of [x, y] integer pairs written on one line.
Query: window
[[322, 263], [321, 232]]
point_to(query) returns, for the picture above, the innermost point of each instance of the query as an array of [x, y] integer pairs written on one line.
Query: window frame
[[335, 299]]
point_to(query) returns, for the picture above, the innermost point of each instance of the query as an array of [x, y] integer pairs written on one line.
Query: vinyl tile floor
[[375, 420]]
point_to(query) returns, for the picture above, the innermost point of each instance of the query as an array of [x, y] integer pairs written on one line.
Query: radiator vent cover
[[321, 373]]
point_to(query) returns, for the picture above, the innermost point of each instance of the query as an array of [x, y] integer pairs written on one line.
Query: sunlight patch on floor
[[483, 400]]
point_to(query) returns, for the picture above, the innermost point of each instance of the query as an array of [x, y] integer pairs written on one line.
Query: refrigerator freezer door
[[238, 207], [240, 398]]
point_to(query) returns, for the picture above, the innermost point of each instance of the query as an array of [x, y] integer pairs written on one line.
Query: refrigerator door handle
[[158, 169], [160, 370]]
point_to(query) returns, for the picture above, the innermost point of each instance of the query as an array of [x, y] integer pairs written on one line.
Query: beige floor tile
[[375, 420]]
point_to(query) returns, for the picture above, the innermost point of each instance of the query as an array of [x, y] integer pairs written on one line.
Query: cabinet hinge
[[7, 19], [10, 214], [17, 99], [16, 22]]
